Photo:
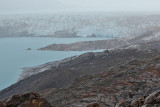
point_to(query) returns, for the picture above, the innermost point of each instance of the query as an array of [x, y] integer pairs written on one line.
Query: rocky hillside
[[126, 85], [121, 78], [99, 74]]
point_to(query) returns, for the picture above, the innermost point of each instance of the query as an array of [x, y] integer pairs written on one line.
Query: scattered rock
[[151, 105], [123, 104], [93, 105], [137, 102]]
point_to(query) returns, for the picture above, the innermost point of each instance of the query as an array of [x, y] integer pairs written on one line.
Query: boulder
[[153, 98], [151, 105], [137, 102], [93, 105], [1, 104], [123, 104], [40, 102], [27, 100]]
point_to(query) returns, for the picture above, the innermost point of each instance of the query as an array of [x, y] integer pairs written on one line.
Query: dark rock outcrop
[[93, 105], [1, 104], [137, 102], [153, 98], [27, 100], [64, 34]]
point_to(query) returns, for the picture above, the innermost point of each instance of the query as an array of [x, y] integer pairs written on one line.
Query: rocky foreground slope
[[107, 78], [125, 84]]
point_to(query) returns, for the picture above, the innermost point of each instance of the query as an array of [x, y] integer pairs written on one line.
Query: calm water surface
[[14, 55]]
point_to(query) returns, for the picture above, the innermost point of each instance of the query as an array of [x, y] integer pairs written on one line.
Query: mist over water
[[43, 6]]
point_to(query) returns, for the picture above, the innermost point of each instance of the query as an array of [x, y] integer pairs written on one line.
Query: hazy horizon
[[30, 6]]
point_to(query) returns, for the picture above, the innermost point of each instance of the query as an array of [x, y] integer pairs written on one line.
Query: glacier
[[77, 25]]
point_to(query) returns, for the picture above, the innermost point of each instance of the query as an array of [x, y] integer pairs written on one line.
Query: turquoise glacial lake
[[14, 55]]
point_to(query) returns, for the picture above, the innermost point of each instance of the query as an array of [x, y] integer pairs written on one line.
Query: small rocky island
[[29, 49]]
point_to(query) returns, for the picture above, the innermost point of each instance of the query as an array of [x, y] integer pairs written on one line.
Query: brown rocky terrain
[[124, 85]]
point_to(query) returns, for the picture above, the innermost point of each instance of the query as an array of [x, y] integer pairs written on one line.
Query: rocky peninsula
[[148, 37]]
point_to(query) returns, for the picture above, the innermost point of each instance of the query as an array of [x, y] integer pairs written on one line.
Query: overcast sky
[[77, 5]]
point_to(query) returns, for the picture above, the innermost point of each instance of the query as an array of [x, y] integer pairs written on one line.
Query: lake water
[[14, 55]]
